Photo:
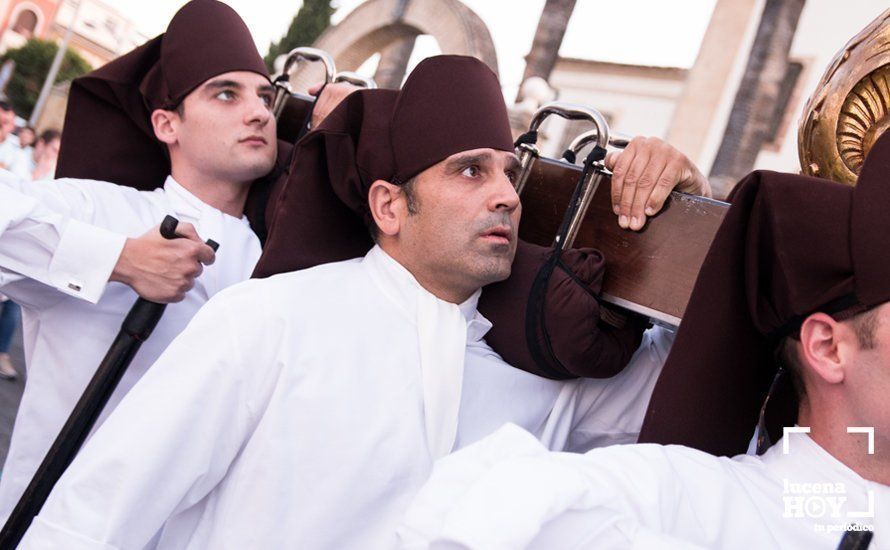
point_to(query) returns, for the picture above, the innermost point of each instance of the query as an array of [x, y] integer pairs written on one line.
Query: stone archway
[[383, 25], [25, 23], [26, 19]]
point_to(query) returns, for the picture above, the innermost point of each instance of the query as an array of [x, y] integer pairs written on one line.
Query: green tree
[[312, 19], [32, 62]]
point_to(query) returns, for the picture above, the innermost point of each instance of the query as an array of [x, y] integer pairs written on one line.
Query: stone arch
[[377, 25], [27, 19]]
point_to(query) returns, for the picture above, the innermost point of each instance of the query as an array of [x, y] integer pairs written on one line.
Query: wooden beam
[[650, 272]]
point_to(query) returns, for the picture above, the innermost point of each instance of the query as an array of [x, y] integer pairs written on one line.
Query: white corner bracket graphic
[[865, 430], [870, 513], [788, 430]]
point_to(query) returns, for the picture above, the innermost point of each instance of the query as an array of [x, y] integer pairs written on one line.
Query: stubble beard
[[494, 262]]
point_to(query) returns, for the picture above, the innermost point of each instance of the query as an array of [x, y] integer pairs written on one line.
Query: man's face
[[26, 137], [463, 232], [47, 151], [225, 128]]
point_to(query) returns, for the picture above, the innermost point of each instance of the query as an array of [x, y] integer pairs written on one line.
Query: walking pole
[[136, 328], [856, 540]]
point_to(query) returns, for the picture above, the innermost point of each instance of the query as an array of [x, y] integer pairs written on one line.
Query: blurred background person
[[12, 156], [39, 162], [10, 314], [27, 136], [9, 147], [31, 164]]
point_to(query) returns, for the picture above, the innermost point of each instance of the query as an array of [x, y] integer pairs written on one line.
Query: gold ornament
[[850, 108]]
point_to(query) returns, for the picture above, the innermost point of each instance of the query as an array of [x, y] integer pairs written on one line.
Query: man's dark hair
[[49, 135], [179, 109], [413, 207], [864, 326]]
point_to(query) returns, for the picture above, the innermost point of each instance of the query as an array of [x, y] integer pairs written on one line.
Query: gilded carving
[[850, 107], [864, 116]]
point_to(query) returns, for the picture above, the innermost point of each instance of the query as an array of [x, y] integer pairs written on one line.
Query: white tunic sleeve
[[507, 492], [46, 235], [171, 439], [610, 411]]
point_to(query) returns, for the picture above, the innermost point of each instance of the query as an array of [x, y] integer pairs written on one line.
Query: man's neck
[[227, 196], [438, 288], [442, 292], [829, 431]]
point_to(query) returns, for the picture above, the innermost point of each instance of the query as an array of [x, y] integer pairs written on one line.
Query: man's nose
[[259, 111], [506, 197]]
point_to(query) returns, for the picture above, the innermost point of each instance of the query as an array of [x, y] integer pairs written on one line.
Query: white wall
[[637, 100], [103, 25], [825, 27]]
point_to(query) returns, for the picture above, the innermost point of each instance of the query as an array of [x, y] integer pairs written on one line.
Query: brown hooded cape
[[108, 134], [448, 104], [789, 246]]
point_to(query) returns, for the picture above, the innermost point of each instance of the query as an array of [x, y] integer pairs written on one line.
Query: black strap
[[764, 441], [536, 323], [529, 138], [596, 154]]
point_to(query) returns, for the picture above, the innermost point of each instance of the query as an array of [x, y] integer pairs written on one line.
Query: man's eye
[[471, 171], [511, 175], [267, 100], [226, 95]]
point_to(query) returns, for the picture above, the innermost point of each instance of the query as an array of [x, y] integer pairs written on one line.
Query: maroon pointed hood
[[449, 104], [108, 134], [789, 246]]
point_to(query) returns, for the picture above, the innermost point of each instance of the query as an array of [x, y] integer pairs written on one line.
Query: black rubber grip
[[168, 231], [168, 227]]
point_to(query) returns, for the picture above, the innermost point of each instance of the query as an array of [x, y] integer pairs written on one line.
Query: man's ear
[[165, 124], [827, 346], [387, 206]]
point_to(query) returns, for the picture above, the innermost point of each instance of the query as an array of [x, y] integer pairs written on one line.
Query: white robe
[[59, 242], [508, 492], [9, 151], [293, 412], [23, 166]]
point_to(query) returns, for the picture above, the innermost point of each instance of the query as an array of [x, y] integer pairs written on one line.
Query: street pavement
[[10, 395]]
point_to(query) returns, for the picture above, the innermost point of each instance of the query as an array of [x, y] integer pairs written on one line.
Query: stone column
[[394, 63], [699, 108], [548, 38], [755, 102]]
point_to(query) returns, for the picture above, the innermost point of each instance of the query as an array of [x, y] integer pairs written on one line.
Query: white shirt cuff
[[84, 259]]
